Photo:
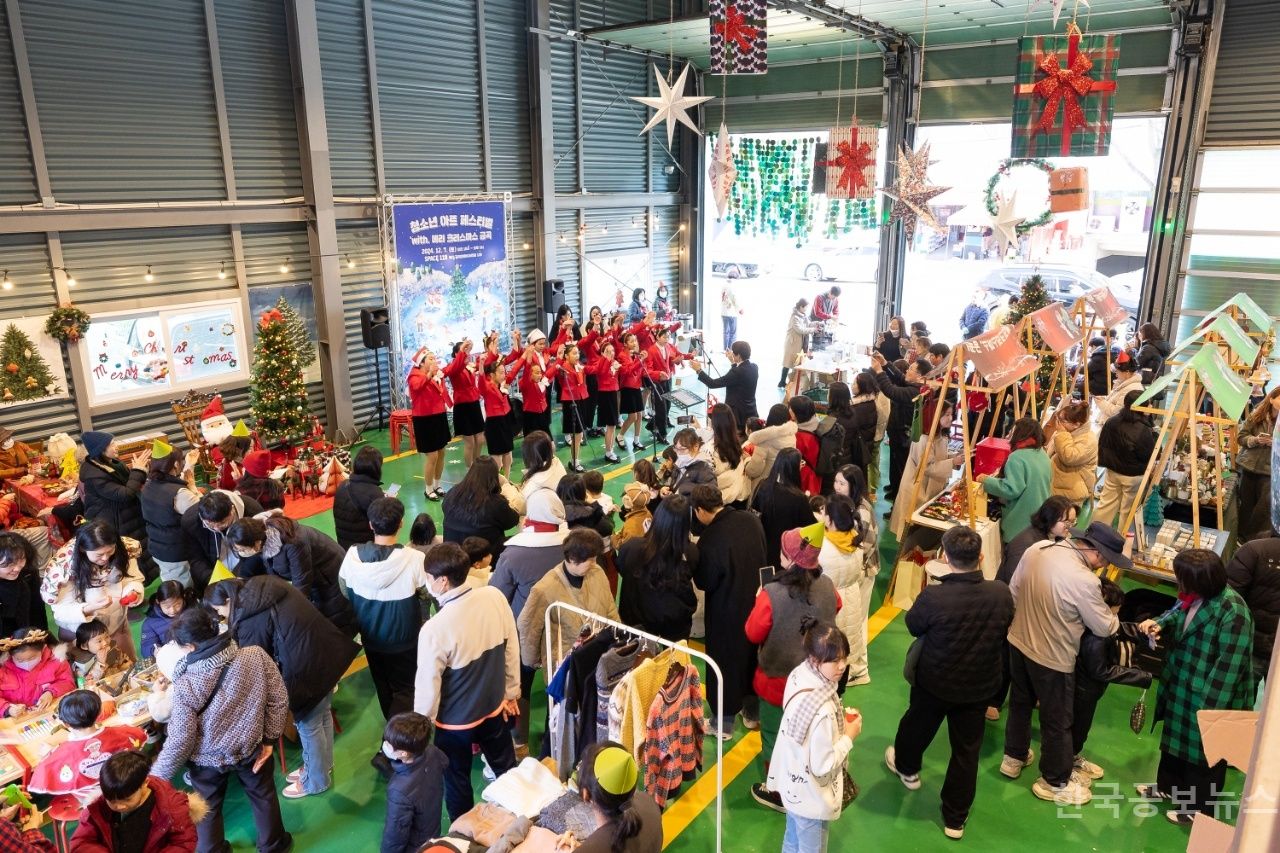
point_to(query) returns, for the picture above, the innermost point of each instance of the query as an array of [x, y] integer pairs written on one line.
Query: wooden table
[[987, 529], [33, 736]]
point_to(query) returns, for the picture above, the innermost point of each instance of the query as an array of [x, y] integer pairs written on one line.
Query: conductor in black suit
[[738, 382]]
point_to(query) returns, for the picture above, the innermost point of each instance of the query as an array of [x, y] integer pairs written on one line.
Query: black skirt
[[500, 434], [571, 418], [606, 408], [430, 432], [632, 401], [468, 419], [537, 421]]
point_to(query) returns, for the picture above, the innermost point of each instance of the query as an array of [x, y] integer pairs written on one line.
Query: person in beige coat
[[779, 432], [798, 328], [934, 477], [579, 581], [1073, 452]]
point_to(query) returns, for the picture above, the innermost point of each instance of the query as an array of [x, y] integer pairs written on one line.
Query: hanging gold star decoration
[[672, 104], [912, 192], [722, 171], [1004, 224]]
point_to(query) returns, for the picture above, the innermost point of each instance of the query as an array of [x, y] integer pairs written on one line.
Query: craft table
[[32, 497], [33, 736], [988, 529]]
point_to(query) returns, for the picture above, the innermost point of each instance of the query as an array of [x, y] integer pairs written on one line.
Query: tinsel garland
[[1007, 166], [773, 193]]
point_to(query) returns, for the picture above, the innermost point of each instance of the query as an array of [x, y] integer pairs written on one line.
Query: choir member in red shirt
[[468, 420], [630, 397], [573, 390], [430, 400], [604, 369]]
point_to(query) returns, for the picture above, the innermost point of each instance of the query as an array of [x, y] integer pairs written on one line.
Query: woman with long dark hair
[[727, 459], [781, 502], [429, 397], [602, 381], [630, 390], [638, 307], [1152, 352], [593, 338], [499, 421], [627, 819], [20, 604], [542, 468], [890, 341], [657, 573], [857, 414], [95, 576], [477, 506], [852, 483], [793, 343], [778, 432], [578, 511]]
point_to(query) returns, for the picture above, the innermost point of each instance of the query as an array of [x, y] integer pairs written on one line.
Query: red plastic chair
[[64, 809], [401, 419]]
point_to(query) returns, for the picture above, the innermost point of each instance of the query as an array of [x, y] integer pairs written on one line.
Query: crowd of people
[[759, 534]]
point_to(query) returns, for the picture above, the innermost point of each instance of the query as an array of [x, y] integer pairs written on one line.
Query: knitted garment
[[614, 664], [672, 748], [629, 706]]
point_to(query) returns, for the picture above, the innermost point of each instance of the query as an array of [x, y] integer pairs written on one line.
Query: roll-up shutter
[[265, 248], [429, 95], [126, 99], [615, 157], [810, 96], [524, 277], [564, 97], [568, 262], [664, 254], [1244, 108], [110, 266], [253, 40], [507, 69], [32, 296], [17, 178], [362, 287], [344, 67]]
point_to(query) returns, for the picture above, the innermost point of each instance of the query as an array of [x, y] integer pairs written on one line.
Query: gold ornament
[[8, 395], [912, 192], [31, 382]]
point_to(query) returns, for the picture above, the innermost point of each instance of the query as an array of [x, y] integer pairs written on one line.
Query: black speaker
[[552, 295], [375, 327]]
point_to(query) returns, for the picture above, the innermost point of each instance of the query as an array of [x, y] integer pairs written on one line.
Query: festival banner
[[1057, 327], [1105, 307], [998, 355], [450, 280]]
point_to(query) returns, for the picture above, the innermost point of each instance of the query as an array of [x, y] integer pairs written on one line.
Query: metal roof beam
[[834, 16]]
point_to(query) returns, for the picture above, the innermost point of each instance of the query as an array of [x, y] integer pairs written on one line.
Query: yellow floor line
[[702, 794]]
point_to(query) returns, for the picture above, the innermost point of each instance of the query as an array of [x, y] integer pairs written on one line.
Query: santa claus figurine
[[228, 445]]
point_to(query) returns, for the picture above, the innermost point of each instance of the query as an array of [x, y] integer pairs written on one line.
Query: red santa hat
[[213, 409]]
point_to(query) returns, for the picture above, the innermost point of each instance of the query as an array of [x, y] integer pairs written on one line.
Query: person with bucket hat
[[165, 497], [799, 596], [1058, 597], [112, 491]]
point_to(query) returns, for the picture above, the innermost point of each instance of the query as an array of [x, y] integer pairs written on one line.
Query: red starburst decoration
[[852, 158], [735, 30]]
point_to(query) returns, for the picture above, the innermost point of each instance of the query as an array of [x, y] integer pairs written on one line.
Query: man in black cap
[[1058, 597]]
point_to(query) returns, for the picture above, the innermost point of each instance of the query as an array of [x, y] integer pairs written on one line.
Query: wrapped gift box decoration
[[989, 455], [1064, 95], [1069, 189]]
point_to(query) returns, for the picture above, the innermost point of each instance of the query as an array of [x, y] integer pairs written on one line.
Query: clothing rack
[[712, 666]]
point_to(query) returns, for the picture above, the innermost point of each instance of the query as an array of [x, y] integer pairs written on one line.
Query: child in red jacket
[[806, 418], [139, 807], [34, 676], [605, 368]]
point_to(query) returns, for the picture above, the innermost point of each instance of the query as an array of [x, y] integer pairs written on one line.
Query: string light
[[284, 268], [5, 282], [604, 229], [350, 263], [149, 276], [222, 271], [524, 246], [562, 239], [71, 280]]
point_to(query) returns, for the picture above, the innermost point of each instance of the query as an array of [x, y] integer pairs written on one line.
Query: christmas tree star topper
[[672, 104]]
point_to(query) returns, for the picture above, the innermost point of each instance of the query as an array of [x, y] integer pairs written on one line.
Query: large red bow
[[735, 30], [851, 160], [269, 317], [1065, 86]]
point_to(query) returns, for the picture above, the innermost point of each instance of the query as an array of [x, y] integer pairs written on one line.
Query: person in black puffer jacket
[[1254, 572], [165, 497], [578, 512], [112, 492], [354, 495], [1153, 352], [269, 613], [480, 505], [960, 625], [1125, 446], [272, 543]]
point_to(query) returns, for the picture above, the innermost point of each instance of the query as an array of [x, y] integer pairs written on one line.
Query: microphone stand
[[653, 386], [577, 418]]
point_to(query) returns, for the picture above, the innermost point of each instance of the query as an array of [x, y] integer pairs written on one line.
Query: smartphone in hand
[[393, 490]]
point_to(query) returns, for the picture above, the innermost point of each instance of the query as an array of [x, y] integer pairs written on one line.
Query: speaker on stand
[[375, 333], [552, 300]]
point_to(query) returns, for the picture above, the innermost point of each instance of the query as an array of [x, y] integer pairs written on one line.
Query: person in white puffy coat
[[814, 742], [779, 432], [851, 483], [843, 560], [722, 448]]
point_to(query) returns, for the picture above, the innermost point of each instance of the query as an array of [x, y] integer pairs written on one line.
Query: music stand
[[684, 400]]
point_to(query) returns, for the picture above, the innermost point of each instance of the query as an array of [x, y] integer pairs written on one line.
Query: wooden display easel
[[1088, 321]]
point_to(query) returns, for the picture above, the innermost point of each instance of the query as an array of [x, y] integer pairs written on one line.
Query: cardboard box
[[1069, 189]]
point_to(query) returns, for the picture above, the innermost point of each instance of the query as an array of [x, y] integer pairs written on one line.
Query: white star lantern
[[722, 172], [671, 104], [1057, 7], [1004, 224]]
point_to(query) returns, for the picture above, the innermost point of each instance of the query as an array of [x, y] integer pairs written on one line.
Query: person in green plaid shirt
[[1209, 634]]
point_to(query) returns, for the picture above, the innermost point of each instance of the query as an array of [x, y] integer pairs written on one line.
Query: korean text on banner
[[999, 357], [1057, 328], [1105, 307]]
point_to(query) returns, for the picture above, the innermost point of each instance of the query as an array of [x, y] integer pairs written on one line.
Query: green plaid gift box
[[1064, 95]]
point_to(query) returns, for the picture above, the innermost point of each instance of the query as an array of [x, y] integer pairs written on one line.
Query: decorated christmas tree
[[1033, 298], [298, 333], [277, 392], [25, 374], [458, 302]]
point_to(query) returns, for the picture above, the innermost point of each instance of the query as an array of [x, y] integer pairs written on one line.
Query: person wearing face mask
[[15, 456], [34, 676], [113, 492], [692, 469], [137, 811], [95, 576], [204, 530], [415, 789], [20, 604], [468, 678]]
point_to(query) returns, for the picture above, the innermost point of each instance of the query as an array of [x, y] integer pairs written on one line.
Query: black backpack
[[833, 451]]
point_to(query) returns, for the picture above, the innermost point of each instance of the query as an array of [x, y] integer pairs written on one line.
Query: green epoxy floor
[[1006, 816]]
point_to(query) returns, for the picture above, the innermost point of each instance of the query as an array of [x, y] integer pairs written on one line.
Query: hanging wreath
[[67, 324], [1007, 166]]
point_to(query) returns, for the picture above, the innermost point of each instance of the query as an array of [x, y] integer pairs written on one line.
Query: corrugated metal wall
[[568, 260], [507, 69], [1244, 108], [259, 90], [564, 91], [344, 65], [362, 288], [126, 99], [524, 278], [17, 177], [110, 266]]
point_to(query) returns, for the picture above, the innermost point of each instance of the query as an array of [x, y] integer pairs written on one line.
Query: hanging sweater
[[673, 740]]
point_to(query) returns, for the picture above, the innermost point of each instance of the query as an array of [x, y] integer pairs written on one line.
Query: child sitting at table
[[33, 676], [74, 766], [104, 659], [138, 811], [169, 599]]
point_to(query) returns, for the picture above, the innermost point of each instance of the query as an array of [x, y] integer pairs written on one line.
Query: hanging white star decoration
[[1057, 7], [722, 171], [671, 104], [1004, 224], [912, 192]]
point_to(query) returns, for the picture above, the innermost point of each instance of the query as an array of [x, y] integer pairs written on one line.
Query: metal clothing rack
[[596, 619]]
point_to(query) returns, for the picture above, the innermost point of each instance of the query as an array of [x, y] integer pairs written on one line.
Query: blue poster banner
[[451, 280]]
